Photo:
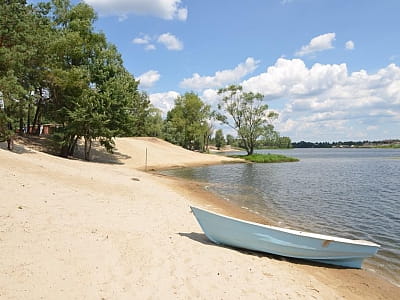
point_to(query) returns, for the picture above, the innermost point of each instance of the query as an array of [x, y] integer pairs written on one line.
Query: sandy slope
[[161, 154], [84, 230]]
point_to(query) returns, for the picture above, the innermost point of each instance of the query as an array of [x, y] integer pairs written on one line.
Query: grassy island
[[266, 158]]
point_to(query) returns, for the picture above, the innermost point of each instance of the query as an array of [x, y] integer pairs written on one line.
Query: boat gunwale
[[293, 231]]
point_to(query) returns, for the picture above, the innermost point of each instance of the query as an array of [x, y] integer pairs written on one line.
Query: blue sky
[[329, 68]]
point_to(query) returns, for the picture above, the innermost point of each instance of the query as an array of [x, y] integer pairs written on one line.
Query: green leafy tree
[[140, 112], [269, 137], [92, 95], [187, 123], [272, 139], [125, 106], [219, 139], [55, 67], [24, 30], [74, 50], [6, 132], [154, 123], [230, 140], [284, 142], [245, 113], [207, 134]]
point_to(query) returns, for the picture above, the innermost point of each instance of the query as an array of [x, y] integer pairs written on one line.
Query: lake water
[[351, 193]]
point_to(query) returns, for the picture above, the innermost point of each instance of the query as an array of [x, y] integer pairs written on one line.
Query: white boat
[[238, 233]]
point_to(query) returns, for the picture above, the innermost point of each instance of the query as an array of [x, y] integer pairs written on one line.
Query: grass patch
[[266, 158], [393, 146]]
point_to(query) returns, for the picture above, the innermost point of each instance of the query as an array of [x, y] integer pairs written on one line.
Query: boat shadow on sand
[[202, 238]]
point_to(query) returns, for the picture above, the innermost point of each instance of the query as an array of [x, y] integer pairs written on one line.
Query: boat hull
[[238, 233]]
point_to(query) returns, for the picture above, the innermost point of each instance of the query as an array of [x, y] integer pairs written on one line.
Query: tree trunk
[[28, 121], [36, 118], [64, 151], [251, 148], [68, 148], [21, 125], [246, 145], [88, 146], [72, 146], [10, 139], [10, 144]]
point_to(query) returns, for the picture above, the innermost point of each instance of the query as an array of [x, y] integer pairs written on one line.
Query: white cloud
[[182, 14], [144, 40], [342, 105], [349, 45], [316, 103], [164, 9], [149, 78], [292, 77], [170, 41], [164, 101], [327, 102], [122, 17], [221, 78], [150, 47], [211, 97], [141, 40], [319, 43]]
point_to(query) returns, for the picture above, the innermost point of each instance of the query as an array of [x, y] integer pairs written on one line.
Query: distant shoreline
[[393, 143]]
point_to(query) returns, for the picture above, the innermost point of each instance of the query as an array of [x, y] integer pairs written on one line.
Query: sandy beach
[[106, 229]]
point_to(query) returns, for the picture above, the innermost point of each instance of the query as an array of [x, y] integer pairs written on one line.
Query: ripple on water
[[345, 192]]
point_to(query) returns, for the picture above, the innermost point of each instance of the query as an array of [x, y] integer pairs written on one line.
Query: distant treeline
[[348, 144]]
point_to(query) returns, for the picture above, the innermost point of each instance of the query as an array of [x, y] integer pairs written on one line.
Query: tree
[[154, 122], [207, 134], [55, 67], [92, 95], [186, 124], [24, 30], [6, 133], [140, 112], [219, 139], [230, 140], [272, 139], [247, 115], [285, 142]]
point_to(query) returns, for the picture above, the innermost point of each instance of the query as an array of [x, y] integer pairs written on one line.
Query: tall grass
[[267, 158]]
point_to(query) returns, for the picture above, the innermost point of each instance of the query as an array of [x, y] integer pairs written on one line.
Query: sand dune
[[161, 154], [71, 229]]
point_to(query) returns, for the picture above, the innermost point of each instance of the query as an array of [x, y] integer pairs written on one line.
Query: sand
[[71, 229]]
